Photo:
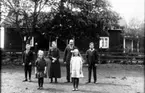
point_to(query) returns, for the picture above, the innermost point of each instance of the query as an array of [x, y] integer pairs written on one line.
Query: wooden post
[[56, 41], [74, 40], [49, 41], [2, 37], [132, 46], [124, 44], [66, 42], [138, 46]]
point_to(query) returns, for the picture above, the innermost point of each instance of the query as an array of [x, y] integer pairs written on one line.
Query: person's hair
[[91, 43], [27, 44], [54, 42], [71, 40], [40, 52], [78, 53]]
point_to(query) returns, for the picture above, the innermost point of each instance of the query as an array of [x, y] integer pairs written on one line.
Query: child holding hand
[[40, 69]]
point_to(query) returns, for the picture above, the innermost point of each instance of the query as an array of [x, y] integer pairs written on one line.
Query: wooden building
[[113, 41]]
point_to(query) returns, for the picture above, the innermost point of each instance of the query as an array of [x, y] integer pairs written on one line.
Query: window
[[2, 37], [32, 42], [104, 42]]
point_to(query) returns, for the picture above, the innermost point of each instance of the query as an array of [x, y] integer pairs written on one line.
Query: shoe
[[73, 89], [95, 82], [77, 89], [41, 88], [25, 80], [38, 88], [29, 80], [88, 82]]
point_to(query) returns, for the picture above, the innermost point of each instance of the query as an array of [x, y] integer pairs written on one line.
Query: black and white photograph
[[72, 46]]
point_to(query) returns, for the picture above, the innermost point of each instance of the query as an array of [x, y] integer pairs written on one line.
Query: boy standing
[[27, 62], [92, 61]]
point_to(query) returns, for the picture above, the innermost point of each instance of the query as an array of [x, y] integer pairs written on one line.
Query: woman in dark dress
[[55, 71]]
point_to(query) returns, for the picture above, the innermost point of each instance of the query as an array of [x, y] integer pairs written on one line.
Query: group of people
[[72, 58]]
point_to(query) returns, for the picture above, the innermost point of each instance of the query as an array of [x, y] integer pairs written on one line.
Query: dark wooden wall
[[115, 41], [12, 40]]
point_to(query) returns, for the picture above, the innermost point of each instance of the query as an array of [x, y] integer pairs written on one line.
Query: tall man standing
[[92, 61], [67, 58], [27, 62]]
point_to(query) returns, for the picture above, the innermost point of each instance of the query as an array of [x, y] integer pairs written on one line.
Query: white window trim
[[102, 42], [32, 42]]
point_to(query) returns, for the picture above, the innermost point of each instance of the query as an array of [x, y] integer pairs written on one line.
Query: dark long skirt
[[55, 71]]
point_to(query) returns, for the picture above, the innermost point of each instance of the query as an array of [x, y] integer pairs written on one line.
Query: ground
[[112, 78]]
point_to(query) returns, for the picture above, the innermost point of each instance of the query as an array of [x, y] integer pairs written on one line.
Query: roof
[[117, 30], [104, 33]]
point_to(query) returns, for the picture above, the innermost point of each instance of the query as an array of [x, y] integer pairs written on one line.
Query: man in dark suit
[[67, 58], [27, 62], [92, 61]]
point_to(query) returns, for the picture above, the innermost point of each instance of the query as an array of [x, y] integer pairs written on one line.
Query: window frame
[[102, 42]]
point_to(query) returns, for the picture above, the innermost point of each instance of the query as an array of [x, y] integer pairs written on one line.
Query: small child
[[76, 68], [40, 69]]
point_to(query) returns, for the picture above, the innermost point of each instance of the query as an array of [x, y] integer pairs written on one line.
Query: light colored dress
[[76, 67]]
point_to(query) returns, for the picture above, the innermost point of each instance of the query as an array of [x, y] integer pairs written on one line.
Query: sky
[[129, 9]]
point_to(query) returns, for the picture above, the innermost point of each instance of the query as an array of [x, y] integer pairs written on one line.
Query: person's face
[[27, 47], [71, 43], [40, 55], [53, 44], [91, 46], [76, 53]]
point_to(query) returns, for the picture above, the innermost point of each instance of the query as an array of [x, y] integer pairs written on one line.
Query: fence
[[104, 57]]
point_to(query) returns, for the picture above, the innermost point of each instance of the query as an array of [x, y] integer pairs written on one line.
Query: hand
[[30, 63], [53, 58], [35, 72], [64, 62], [53, 61], [23, 64], [87, 65], [96, 64], [44, 72]]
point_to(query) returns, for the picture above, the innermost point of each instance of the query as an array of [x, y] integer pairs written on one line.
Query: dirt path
[[112, 78]]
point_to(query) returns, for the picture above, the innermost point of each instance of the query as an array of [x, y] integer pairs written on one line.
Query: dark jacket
[[92, 57], [27, 58], [68, 54], [40, 64]]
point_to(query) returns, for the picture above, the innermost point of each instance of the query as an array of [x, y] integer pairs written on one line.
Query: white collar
[[92, 49]]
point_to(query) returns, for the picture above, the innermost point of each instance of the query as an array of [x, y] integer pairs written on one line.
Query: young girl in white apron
[[76, 65]]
